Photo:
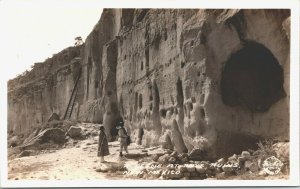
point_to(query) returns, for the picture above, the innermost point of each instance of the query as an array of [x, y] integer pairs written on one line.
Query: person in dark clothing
[[102, 144], [140, 136]]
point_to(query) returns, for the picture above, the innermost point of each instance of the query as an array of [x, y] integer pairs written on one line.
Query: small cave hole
[[140, 101], [192, 43], [182, 64], [190, 105], [202, 113], [202, 97], [142, 65], [193, 99], [151, 97], [202, 39], [96, 84], [163, 113]]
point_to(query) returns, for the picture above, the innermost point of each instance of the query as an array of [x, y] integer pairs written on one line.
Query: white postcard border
[[294, 97]]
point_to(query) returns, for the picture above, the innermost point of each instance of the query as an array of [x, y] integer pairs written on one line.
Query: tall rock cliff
[[213, 81]]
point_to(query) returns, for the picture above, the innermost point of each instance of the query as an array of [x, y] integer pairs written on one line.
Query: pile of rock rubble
[[172, 165]]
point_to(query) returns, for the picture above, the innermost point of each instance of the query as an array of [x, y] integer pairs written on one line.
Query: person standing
[[140, 136], [102, 145], [122, 137]]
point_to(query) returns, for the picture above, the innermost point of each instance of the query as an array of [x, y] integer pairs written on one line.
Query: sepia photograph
[[160, 94]]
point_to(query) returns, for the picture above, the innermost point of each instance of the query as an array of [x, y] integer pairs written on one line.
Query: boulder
[[246, 155], [197, 154], [25, 153], [233, 158], [74, 131], [135, 155], [47, 136], [172, 160], [155, 157], [242, 159], [282, 151], [221, 161], [168, 151], [164, 159], [201, 168], [13, 141], [53, 117], [174, 154], [183, 155], [251, 166], [182, 168], [55, 135], [103, 168], [190, 168], [166, 142], [183, 158]]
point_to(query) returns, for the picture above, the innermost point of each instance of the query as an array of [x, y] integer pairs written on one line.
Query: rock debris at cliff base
[[210, 83], [77, 159]]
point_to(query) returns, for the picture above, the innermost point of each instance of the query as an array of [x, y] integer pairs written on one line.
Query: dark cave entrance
[[252, 78]]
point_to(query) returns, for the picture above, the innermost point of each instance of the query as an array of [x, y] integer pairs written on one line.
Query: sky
[[33, 30]]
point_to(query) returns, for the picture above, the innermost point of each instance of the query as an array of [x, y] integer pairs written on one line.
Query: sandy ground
[[76, 162]]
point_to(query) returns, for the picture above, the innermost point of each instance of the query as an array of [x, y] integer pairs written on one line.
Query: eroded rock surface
[[213, 81]]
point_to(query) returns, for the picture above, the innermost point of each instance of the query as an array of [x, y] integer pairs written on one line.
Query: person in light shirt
[[123, 137]]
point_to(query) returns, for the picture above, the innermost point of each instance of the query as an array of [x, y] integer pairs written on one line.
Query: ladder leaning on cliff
[[72, 100]]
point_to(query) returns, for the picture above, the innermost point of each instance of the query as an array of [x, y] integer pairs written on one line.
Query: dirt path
[[77, 162]]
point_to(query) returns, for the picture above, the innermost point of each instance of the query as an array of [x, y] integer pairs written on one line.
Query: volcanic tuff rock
[[211, 80]]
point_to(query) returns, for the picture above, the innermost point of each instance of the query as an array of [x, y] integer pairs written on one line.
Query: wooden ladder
[[73, 98]]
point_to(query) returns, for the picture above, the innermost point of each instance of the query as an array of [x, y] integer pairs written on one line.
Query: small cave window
[[150, 97], [165, 34], [163, 113], [96, 84], [140, 101], [252, 78], [202, 113], [182, 64], [193, 99], [192, 43], [147, 57], [136, 100], [190, 105], [202, 38], [142, 65]]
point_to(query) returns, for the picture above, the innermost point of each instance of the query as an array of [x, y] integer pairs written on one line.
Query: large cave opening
[[252, 78]]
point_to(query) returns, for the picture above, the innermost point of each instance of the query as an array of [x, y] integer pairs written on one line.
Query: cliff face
[[35, 95], [208, 80]]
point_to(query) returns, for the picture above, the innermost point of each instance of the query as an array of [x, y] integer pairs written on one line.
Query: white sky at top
[[33, 30]]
